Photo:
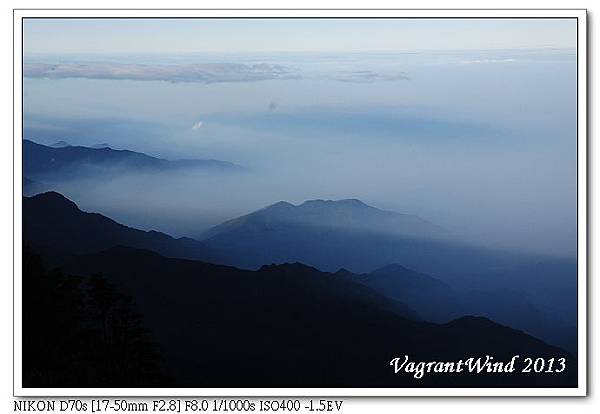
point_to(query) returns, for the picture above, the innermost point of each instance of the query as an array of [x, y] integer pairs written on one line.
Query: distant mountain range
[[438, 301], [350, 214], [303, 327], [63, 161], [348, 234], [51, 220], [323, 233], [433, 299]]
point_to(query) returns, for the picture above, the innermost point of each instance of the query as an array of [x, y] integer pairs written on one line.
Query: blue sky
[[291, 35]]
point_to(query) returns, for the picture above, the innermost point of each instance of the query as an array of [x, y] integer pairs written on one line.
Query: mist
[[482, 143]]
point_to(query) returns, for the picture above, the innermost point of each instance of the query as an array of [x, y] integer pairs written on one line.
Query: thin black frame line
[[13, 190]]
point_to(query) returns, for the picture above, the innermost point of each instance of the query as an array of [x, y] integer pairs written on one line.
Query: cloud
[[369, 76], [203, 73], [198, 72], [477, 61], [197, 126]]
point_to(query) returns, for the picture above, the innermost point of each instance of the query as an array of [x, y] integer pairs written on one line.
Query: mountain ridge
[[66, 162], [51, 219], [348, 213], [47, 213], [309, 328]]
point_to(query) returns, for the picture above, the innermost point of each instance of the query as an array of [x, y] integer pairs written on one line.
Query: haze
[[476, 132]]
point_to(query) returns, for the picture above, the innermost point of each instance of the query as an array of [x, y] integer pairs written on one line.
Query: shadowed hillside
[[287, 325], [83, 332], [53, 220], [523, 290], [293, 326]]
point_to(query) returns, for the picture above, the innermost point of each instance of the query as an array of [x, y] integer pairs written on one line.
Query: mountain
[[438, 301], [302, 327], [433, 299], [349, 214], [439, 277], [323, 233], [413, 282], [291, 325], [50, 219], [100, 146], [331, 235], [351, 234], [60, 144], [65, 162]]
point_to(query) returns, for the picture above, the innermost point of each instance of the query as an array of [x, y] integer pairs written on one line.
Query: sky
[[291, 35], [470, 124]]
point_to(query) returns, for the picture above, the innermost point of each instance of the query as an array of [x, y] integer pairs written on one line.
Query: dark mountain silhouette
[[65, 162], [521, 290], [50, 219], [433, 299], [292, 326], [348, 234], [437, 301]]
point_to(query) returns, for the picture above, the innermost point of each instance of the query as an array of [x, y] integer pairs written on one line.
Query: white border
[[581, 390]]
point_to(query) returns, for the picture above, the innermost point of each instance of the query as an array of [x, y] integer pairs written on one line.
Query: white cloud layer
[[369, 76], [198, 72], [477, 61]]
